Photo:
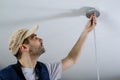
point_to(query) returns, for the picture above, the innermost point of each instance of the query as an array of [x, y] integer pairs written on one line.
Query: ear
[[23, 47]]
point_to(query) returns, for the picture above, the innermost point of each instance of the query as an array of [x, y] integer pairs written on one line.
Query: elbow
[[74, 61]]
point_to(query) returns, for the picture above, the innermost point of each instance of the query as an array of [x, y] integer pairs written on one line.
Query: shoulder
[[7, 71], [50, 66], [41, 64], [55, 69], [54, 64]]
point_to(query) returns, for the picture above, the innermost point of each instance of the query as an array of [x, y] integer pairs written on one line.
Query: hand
[[91, 23]]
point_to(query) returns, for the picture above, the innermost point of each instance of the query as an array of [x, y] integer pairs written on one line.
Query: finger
[[91, 17], [90, 20], [94, 14], [94, 23], [94, 18]]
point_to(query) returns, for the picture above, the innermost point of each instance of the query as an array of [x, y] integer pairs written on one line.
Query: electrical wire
[[97, 62]]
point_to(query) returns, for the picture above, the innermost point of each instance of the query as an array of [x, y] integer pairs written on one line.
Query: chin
[[42, 50]]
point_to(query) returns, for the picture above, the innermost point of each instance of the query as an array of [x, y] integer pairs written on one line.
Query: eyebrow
[[33, 36]]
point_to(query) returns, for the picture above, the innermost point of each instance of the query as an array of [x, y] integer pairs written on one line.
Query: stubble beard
[[38, 50]]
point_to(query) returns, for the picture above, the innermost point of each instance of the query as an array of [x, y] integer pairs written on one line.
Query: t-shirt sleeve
[[55, 70]]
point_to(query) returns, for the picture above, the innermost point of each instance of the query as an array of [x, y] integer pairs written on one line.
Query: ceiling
[[60, 30]]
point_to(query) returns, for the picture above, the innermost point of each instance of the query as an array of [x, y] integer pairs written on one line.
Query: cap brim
[[32, 30]]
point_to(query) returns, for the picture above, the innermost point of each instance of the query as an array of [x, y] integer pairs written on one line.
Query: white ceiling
[[61, 33]]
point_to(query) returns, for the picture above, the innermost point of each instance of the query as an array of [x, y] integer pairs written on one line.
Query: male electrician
[[27, 48]]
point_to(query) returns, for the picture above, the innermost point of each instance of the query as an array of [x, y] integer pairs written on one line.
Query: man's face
[[35, 45]]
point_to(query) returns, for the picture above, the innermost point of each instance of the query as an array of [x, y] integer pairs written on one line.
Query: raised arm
[[74, 54]]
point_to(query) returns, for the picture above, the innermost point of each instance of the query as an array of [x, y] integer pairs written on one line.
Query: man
[[27, 47]]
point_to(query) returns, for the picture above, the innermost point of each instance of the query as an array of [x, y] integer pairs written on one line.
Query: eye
[[36, 37]]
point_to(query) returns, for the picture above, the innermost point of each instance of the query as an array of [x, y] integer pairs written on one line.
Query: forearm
[[76, 50]]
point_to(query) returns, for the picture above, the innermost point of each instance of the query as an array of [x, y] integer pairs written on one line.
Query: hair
[[19, 53]]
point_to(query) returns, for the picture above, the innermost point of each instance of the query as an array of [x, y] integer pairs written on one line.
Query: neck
[[28, 62]]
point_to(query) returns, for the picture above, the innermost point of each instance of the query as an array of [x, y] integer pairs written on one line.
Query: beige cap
[[18, 37]]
